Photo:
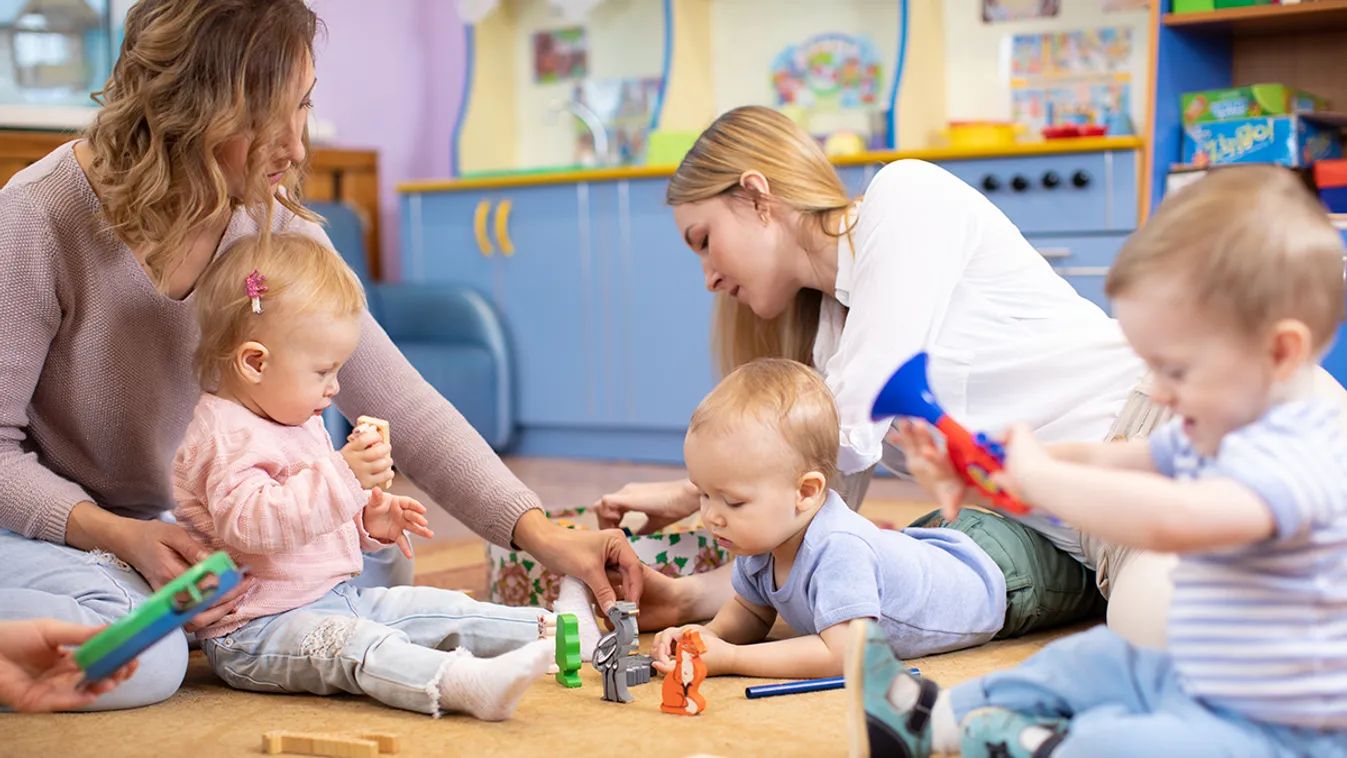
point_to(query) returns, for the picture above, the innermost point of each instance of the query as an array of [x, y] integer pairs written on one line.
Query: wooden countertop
[[530, 178]]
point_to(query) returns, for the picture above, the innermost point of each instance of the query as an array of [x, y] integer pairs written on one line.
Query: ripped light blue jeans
[[391, 644], [43, 580]]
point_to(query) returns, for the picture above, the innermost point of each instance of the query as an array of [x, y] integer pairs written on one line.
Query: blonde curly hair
[[191, 75]]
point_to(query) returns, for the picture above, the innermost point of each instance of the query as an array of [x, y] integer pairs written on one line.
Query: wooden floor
[[205, 718]]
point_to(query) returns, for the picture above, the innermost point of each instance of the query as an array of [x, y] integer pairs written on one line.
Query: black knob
[[990, 183], [1080, 179], [1019, 183], [1051, 180]]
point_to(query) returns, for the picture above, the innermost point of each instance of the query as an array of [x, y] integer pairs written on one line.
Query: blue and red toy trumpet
[[975, 457]]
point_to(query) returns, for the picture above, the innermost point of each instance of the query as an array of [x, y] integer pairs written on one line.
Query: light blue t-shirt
[[1262, 629], [932, 590]]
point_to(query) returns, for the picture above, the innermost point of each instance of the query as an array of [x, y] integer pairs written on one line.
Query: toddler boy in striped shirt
[[1232, 294]]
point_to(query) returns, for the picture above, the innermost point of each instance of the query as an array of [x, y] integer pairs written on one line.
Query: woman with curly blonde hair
[[200, 141]]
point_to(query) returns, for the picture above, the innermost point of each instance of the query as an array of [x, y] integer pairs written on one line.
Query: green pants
[[1045, 587]]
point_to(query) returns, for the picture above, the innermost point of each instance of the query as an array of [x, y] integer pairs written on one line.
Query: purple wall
[[390, 77]]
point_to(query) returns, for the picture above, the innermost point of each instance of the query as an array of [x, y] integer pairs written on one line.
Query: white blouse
[[935, 266]]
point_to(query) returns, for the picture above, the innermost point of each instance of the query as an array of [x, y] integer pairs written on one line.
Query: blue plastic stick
[[804, 685]]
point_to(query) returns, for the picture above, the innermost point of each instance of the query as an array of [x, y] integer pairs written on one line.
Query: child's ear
[[251, 360], [813, 491], [1292, 348]]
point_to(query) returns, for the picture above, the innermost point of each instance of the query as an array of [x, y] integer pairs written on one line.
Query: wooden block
[[331, 745], [385, 432], [377, 423], [388, 742]]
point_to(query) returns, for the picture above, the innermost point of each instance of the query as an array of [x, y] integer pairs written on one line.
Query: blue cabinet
[[527, 251], [661, 345], [605, 307], [1082, 260], [1076, 208], [607, 311]]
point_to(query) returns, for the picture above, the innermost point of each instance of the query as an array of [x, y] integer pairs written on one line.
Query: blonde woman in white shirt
[[855, 286]]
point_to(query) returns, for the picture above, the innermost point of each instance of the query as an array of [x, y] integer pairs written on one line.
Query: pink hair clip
[[255, 285]]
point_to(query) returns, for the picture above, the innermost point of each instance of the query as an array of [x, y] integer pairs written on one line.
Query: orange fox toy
[[681, 695]]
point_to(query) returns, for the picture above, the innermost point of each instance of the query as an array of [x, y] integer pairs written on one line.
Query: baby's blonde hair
[[301, 275], [1249, 244], [784, 395]]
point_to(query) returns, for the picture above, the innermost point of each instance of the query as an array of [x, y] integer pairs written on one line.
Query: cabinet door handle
[[1081, 270], [479, 227], [1054, 252], [503, 228]]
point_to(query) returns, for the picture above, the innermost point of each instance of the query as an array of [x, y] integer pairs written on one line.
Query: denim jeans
[[391, 644], [1123, 700], [44, 580]]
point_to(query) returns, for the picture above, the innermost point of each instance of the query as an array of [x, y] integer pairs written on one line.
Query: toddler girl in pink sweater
[[256, 475]]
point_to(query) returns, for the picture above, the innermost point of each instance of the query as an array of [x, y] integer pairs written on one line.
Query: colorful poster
[[828, 72], [1082, 76], [994, 11], [560, 54]]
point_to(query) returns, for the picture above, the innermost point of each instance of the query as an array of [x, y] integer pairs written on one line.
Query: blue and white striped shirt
[[1262, 629]]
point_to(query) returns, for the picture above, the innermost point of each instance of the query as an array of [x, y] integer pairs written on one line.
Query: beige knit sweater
[[96, 383]]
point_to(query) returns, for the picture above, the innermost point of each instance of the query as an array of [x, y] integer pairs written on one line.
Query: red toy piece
[[908, 393], [681, 686]]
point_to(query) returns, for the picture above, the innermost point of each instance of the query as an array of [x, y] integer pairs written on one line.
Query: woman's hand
[[369, 457], [929, 464], [388, 517], [158, 550], [38, 672], [662, 502], [583, 554], [719, 656]]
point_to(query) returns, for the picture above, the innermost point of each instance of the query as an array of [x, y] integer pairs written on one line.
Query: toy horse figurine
[[681, 686]]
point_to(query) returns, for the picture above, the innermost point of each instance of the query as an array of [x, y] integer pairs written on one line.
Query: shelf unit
[[1266, 19], [1302, 45]]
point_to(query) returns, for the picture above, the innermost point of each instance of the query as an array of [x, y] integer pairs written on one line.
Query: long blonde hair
[[191, 75], [799, 176], [301, 276]]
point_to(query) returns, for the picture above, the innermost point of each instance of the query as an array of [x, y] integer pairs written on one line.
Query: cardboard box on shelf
[[1246, 102], [1296, 140]]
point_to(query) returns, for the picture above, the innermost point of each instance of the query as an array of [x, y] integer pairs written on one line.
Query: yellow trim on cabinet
[[1045, 147]]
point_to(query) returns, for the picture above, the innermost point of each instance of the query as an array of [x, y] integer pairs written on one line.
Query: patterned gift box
[[516, 578]]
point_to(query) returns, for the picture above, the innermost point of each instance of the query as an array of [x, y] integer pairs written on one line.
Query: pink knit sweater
[[279, 499], [96, 384]]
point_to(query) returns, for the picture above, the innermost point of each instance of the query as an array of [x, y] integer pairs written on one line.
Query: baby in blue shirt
[[761, 449]]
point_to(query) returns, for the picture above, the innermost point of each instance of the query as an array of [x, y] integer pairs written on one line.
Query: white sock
[[490, 688], [1034, 736], [945, 736], [573, 597]]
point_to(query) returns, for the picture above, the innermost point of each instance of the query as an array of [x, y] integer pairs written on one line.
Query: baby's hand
[[389, 517], [1025, 456], [930, 466], [369, 457], [719, 656]]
